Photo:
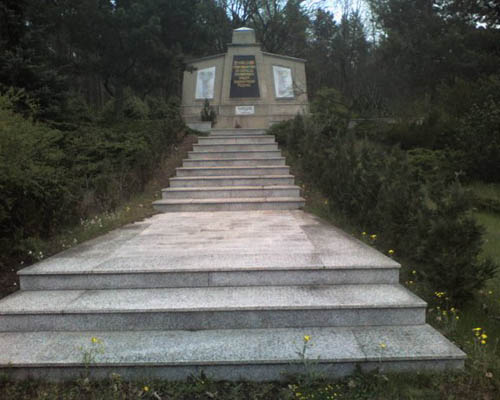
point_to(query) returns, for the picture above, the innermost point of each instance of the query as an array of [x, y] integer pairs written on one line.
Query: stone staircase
[[231, 294], [229, 170]]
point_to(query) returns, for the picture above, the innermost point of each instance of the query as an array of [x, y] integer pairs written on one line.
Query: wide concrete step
[[236, 180], [231, 171], [236, 162], [180, 254], [237, 132], [237, 354], [236, 139], [203, 155], [211, 308], [229, 204], [231, 192], [131, 274], [235, 147]]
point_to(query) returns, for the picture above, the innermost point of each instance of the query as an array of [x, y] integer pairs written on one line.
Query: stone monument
[[247, 87]]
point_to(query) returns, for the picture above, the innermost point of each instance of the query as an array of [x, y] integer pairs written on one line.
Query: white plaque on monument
[[283, 84], [244, 110], [205, 83]]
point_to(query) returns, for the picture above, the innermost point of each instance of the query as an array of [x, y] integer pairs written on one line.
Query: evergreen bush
[[207, 112], [50, 178], [423, 214]]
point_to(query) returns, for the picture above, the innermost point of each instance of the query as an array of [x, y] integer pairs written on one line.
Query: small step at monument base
[[227, 354], [230, 204]]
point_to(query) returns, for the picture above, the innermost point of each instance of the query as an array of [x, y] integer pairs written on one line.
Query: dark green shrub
[[280, 131], [329, 102], [430, 166], [37, 190], [50, 178], [478, 142], [135, 108], [449, 246], [77, 110], [207, 112], [407, 201]]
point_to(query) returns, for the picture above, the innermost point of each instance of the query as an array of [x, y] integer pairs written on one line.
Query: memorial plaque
[[283, 83], [205, 82], [244, 110], [244, 82]]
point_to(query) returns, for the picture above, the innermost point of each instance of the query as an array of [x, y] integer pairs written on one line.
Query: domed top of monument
[[244, 36]]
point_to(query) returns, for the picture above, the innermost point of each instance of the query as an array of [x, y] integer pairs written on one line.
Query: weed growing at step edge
[[310, 384], [90, 353], [89, 357]]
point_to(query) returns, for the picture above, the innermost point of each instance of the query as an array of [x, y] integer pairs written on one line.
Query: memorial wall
[[248, 88]]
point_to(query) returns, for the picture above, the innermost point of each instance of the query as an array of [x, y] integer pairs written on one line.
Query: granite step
[[229, 204], [231, 192], [226, 139], [211, 308], [131, 274], [236, 162], [237, 132], [231, 171], [201, 155], [235, 147], [236, 180], [182, 250], [237, 354]]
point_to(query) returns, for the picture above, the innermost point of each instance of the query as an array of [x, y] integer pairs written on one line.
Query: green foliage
[[37, 192], [449, 246], [413, 207], [207, 112], [433, 166], [50, 178], [161, 109], [478, 142], [135, 108], [329, 102]]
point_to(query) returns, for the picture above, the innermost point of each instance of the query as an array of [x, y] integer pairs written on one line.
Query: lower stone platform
[[229, 293]]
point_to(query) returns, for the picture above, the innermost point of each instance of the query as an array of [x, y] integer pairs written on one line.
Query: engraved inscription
[[244, 82]]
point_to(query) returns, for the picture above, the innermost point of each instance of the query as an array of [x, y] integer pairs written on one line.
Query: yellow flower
[[414, 272], [476, 329], [457, 317], [364, 233], [391, 252], [307, 338], [484, 336], [145, 388], [95, 340], [373, 237], [383, 345], [483, 341]]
